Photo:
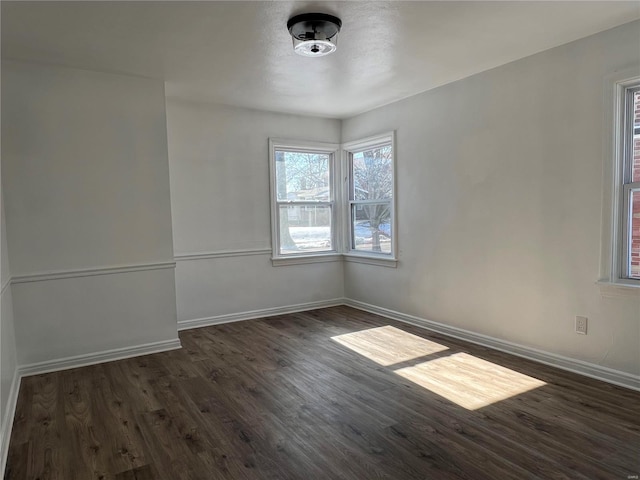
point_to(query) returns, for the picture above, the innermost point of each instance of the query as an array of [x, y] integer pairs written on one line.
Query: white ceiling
[[240, 53]]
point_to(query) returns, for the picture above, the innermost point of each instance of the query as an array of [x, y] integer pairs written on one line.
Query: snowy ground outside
[[314, 239]]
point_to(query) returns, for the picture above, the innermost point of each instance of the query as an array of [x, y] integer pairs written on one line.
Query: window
[[630, 192], [621, 237], [302, 199], [370, 197], [312, 220]]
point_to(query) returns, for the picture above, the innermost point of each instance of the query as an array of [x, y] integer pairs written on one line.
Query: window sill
[[303, 259], [335, 257], [620, 288], [371, 260]]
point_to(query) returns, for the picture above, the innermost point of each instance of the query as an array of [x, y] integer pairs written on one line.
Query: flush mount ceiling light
[[314, 34]]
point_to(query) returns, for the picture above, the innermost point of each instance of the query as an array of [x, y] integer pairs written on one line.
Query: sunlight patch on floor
[[468, 381], [388, 345]]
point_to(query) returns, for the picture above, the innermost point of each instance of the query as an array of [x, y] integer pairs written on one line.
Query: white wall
[[8, 358], [499, 204], [70, 317], [86, 184], [219, 165]]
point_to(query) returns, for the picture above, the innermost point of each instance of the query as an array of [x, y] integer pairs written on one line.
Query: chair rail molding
[[182, 257], [90, 272]]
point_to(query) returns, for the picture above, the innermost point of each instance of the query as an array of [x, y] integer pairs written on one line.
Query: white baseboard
[[264, 312], [100, 357], [7, 421], [598, 372]]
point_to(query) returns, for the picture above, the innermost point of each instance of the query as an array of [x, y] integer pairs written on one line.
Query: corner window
[[370, 197], [629, 137], [302, 199]]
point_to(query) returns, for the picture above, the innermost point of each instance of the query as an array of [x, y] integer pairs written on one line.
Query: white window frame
[[616, 243], [330, 149], [626, 150], [350, 253]]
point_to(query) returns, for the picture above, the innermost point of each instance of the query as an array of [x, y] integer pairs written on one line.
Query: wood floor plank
[[125, 449], [46, 429], [140, 473], [335, 393]]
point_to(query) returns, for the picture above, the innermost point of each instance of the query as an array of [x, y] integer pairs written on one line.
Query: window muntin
[[370, 166], [303, 206], [630, 211]]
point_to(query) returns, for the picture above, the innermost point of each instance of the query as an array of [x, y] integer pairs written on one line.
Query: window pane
[[634, 271], [302, 176], [635, 163], [371, 227], [372, 174], [305, 228]]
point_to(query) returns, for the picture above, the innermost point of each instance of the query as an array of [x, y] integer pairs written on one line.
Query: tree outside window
[[371, 191]]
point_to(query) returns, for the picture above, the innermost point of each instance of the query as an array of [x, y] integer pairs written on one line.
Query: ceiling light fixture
[[314, 34]]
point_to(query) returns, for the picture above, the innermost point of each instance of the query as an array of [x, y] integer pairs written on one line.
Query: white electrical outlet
[[581, 325]]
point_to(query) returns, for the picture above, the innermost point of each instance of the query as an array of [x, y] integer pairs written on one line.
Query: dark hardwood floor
[[328, 394]]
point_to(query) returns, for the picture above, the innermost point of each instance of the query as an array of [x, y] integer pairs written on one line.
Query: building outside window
[[626, 247]]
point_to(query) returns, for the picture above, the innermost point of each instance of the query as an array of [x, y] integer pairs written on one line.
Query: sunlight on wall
[[468, 381], [388, 345]]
